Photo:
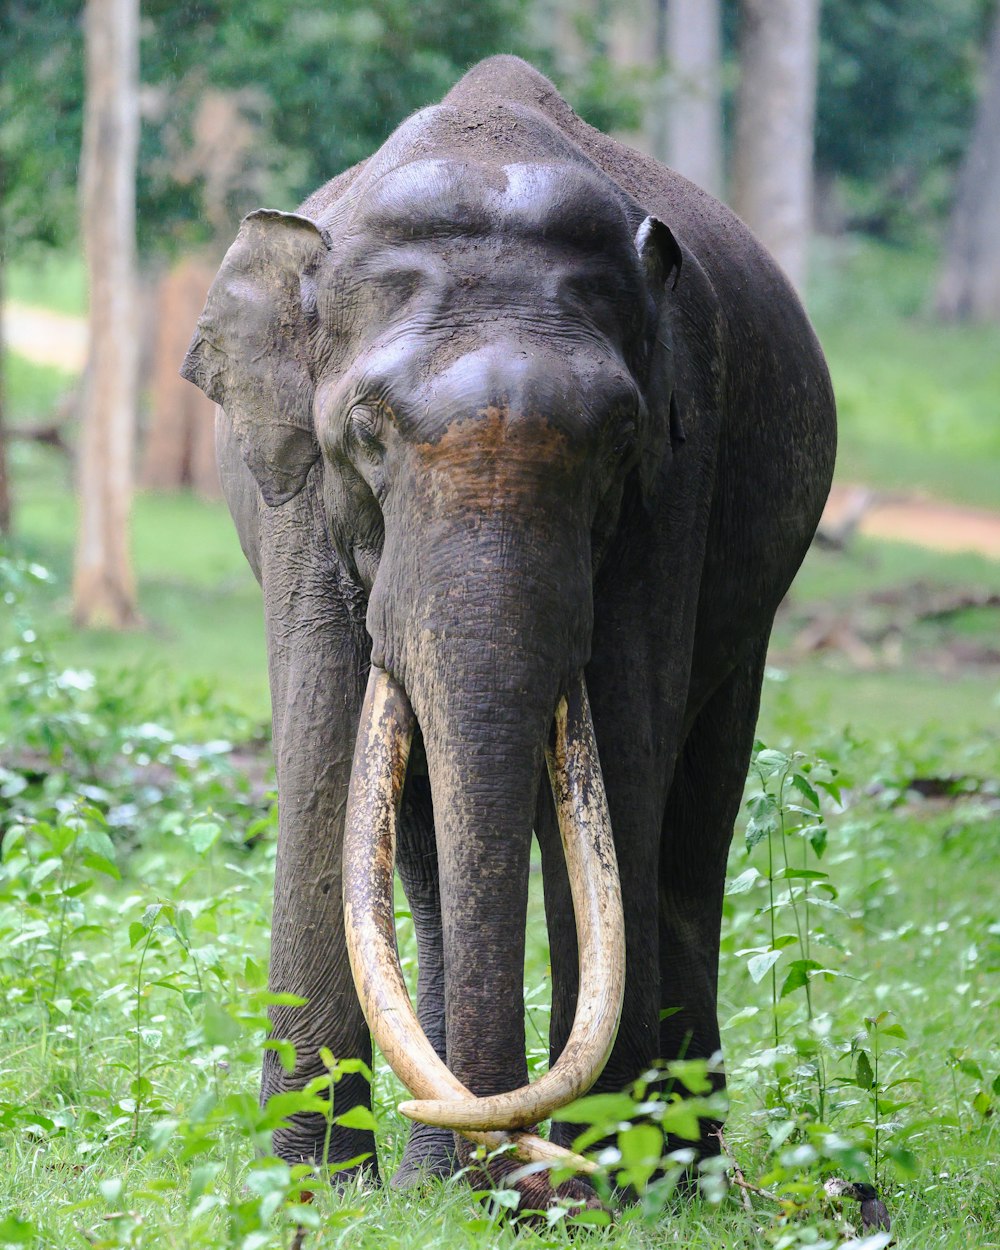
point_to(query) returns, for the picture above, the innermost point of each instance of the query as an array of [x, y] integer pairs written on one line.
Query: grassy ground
[[134, 920], [133, 940], [917, 400]]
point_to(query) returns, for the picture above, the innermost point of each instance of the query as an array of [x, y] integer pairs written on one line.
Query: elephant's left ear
[[251, 350], [660, 257]]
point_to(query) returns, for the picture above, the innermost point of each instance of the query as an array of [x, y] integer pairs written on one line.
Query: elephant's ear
[[661, 258], [251, 351]]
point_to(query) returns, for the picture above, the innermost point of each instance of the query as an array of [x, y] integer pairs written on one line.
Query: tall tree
[[775, 112], [692, 39], [969, 284], [103, 584]]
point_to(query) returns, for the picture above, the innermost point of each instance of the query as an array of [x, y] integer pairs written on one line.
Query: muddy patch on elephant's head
[[486, 461]]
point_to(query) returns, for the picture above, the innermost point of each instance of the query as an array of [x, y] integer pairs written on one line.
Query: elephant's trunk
[[380, 763]]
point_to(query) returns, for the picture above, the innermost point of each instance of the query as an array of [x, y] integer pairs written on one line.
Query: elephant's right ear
[[251, 350]]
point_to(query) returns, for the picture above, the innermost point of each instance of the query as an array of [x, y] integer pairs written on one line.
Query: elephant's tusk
[[582, 809], [380, 758]]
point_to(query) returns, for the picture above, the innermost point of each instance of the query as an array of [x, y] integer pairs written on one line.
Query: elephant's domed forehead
[[443, 198]]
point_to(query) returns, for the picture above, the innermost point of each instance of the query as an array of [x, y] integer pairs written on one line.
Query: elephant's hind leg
[[429, 1151], [701, 810]]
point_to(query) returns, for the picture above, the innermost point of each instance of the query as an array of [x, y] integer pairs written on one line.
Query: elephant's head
[[475, 362]]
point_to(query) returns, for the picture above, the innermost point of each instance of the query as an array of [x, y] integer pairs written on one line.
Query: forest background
[[136, 794]]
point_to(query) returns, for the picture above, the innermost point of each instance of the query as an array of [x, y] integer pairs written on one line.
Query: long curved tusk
[[380, 758], [585, 827]]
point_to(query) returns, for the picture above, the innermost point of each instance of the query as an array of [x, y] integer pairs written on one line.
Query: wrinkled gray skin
[[505, 400]]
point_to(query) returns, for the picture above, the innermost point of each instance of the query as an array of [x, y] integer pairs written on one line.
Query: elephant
[[525, 437]]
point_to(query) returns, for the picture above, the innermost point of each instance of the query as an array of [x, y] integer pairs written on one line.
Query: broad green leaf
[[760, 965], [692, 1074], [641, 1147], [345, 1066], [802, 785], [285, 1051], [597, 1109], [203, 834], [15, 1230], [763, 819], [744, 1013], [744, 882], [680, 1117], [769, 762], [798, 975], [151, 915], [863, 1072], [357, 1117]]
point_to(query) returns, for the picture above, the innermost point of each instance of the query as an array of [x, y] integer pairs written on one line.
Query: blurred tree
[[579, 44], [775, 111], [310, 89], [895, 101], [692, 44], [103, 585], [969, 283], [180, 442]]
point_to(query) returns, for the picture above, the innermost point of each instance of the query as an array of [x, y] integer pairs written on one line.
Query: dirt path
[[44, 337], [911, 519], [48, 338]]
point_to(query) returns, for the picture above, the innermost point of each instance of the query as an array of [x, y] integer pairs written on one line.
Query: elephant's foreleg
[[429, 1151], [698, 823], [315, 650]]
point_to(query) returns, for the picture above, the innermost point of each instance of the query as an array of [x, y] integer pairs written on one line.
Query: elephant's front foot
[[344, 1156], [429, 1153], [536, 1193]]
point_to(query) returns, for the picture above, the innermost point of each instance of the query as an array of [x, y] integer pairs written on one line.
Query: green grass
[[56, 280], [33, 391], [917, 401], [129, 1059]]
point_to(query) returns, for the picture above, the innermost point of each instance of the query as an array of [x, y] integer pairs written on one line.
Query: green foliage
[[318, 87], [41, 121], [896, 90], [132, 969]]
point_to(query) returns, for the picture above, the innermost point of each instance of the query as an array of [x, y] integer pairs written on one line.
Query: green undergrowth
[[858, 996]]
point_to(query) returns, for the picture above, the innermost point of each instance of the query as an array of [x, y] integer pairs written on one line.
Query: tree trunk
[[5, 510], [692, 139], [180, 443], [775, 111], [969, 283], [103, 584]]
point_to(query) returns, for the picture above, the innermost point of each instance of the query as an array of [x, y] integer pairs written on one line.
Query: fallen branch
[[740, 1181]]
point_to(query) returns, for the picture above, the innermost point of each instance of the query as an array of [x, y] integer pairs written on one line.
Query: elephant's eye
[[364, 431]]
